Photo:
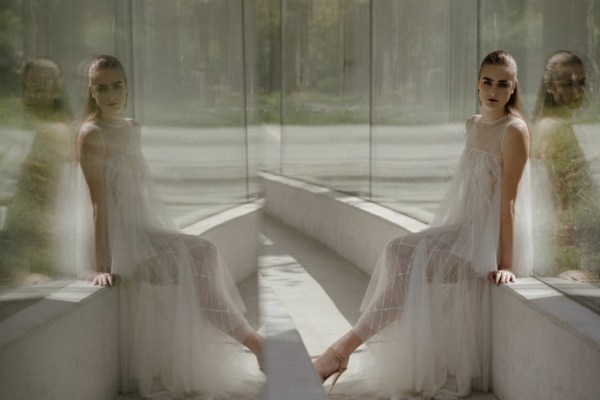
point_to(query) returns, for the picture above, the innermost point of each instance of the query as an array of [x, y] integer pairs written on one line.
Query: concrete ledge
[[354, 228], [62, 347], [234, 232], [545, 346], [65, 346]]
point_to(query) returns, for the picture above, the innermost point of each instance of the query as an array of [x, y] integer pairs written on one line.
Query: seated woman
[[31, 246], [427, 313], [566, 196], [177, 303]]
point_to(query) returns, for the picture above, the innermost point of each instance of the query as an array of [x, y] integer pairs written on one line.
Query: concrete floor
[[320, 292]]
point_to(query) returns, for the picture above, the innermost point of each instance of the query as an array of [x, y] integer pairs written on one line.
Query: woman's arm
[[514, 158], [90, 149]]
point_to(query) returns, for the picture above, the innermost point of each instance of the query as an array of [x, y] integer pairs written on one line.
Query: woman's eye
[[101, 89], [503, 84]]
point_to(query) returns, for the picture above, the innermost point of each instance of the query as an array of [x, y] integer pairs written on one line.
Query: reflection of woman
[[565, 183], [174, 291], [29, 244], [426, 315]]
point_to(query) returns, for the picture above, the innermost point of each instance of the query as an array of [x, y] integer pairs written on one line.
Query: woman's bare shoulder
[[516, 135], [136, 127], [133, 123], [89, 138], [518, 126]]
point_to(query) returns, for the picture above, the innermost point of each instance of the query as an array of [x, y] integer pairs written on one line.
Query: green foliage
[[10, 45], [11, 111]]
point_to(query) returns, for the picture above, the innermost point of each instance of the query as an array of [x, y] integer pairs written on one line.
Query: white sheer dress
[[427, 315], [179, 311]]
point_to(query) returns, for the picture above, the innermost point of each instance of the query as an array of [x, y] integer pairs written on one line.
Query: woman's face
[[108, 87], [39, 89], [567, 87], [495, 86]]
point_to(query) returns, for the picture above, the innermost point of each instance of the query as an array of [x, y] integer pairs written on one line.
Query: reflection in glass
[[424, 60], [325, 100], [175, 289], [568, 199], [30, 246], [189, 88]]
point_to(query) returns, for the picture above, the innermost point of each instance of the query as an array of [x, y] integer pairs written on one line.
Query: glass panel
[[560, 93], [325, 109], [41, 96], [424, 75], [189, 84], [264, 94], [186, 64]]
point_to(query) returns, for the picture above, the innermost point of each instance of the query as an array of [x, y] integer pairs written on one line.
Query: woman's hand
[[502, 276], [104, 279]]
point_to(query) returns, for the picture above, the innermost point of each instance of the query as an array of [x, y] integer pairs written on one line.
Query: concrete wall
[[545, 346], [62, 347], [234, 232], [65, 346], [354, 228]]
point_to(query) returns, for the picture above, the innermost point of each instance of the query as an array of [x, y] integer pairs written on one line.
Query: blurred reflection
[[29, 244], [567, 194], [174, 288]]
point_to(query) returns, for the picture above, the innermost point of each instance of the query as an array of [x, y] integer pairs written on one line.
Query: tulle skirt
[[180, 315], [426, 316]]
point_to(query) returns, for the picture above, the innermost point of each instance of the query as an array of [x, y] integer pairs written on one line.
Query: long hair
[[545, 104], [100, 63], [501, 57]]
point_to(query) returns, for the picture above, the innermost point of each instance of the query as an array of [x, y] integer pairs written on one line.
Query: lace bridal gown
[[178, 307], [427, 310]]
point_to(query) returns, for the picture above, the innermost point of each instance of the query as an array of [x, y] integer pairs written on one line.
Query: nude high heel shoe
[[339, 371]]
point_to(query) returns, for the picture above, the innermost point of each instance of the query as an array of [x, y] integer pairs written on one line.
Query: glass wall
[[191, 79], [325, 92], [190, 92], [560, 96], [366, 97], [423, 85], [374, 95]]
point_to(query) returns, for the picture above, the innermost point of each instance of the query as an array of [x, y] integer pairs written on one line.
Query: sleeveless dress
[[179, 310], [567, 216], [31, 242], [427, 312]]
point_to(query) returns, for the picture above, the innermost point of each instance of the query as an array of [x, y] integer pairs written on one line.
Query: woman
[[31, 244], [173, 287], [426, 315], [566, 193]]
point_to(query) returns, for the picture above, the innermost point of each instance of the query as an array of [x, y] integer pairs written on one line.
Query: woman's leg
[[384, 309], [388, 302], [216, 304]]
